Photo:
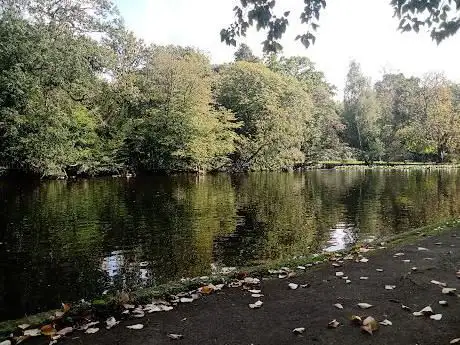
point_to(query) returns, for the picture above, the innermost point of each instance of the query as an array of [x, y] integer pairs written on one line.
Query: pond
[[68, 240]]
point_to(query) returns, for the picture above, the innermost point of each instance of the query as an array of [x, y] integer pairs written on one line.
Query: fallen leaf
[[436, 317], [422, 249], [136, 326], [65, 331], [88, 325], [369, 325], [357, 320], [174, 336], [453, 341], [235, 284], [257, 295], [338, 306], [443, 303], [65, 307], [32, 332], [299, 330], [256, 305], [427, 311], [364, 260], [339, 274], [219, 287], [92, 330], [348, 281], [335, 264], [386, 323], [405, 307], [417, 313], [138, 313], [379, 269], [390, 287], [111, 322], [24, 326], [206, 290], [414, 268], [251, 281], [365, 305], [406, 261], [59, 314], [129, 306], [438, 283], [305, 285], [282, 275], [186, 300], [48, 330], [293, 286], [398, 254], [363, 278], [333, 324], [301, 268], [255, 291], [448, 291], [458, 274]]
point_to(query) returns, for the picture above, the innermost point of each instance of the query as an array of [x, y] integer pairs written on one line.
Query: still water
[[67, 240]]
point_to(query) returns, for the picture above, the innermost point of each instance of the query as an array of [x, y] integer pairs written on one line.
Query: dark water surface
[[67, 240]]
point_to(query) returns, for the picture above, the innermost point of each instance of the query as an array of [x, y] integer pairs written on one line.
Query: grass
[[142, 296]]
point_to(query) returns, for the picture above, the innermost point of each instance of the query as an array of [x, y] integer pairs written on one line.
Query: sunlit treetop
[[440, 17]]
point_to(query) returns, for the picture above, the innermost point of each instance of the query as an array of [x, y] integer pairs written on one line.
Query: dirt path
[[225, 318]]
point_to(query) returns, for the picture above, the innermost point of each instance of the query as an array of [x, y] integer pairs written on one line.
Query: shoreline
[[321, 165], [113, 302]]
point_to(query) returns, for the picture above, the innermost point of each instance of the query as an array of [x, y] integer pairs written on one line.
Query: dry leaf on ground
[[136, 326]]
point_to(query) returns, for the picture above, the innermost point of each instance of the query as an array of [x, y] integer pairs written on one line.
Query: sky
[[363, 30]]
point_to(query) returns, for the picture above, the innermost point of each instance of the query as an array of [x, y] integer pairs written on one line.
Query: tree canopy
[[82, 95]]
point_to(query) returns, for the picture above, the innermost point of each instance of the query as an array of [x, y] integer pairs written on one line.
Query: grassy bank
[[111, 303], [380, 164]]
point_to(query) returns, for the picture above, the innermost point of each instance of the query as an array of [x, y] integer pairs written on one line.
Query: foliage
[[81, 95], [442, 17], [361, 115], [244, 53], [180, 128], [274, 110], [324, 128]]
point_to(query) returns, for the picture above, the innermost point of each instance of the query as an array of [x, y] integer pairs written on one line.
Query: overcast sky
[[364, 30]]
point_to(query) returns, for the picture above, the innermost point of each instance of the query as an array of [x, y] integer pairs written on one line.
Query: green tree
[[244, 53], [442, 125], [361, 114], [322, 137], [48, 74], [273, 109], [400, 101], [180, 128]]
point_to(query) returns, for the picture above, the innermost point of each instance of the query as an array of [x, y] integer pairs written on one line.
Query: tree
[[361, 114], [244, 53], [441, 17], [48, 74], [400, 101], [273, 110], [180, 128], [323, 130], [442, 125]]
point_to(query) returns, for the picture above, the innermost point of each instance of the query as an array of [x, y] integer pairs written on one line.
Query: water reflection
[[342, 236], [67, 240]]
